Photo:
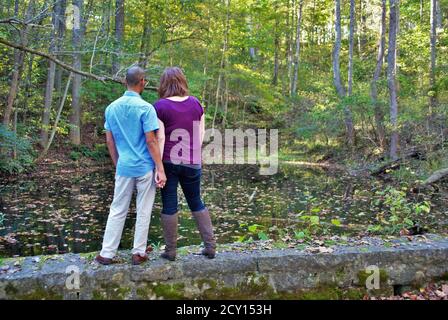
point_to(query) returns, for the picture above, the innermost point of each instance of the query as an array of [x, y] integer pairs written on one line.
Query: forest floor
[[432, 291]]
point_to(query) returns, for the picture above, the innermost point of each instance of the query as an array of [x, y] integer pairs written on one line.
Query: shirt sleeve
[[200, 107], [149, 119], [159, 111], [106, 122]]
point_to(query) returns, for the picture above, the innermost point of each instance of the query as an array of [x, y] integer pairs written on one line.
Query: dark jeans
[[190, 182]]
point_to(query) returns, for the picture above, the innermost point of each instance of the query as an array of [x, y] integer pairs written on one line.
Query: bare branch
[[66, 66], [14, 21]]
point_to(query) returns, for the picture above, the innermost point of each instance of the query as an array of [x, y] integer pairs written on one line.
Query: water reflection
[[68, 213]]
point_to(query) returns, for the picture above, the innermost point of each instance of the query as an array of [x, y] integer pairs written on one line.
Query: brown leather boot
[[205, 227], [169, 226]]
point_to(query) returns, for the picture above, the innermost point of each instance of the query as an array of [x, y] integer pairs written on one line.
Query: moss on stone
[[363, 275], [44, 259], [443, 277], [11, 290], [331, 293], [201, 283], [111, 291], [340, 274], [98, 295], [256, 286], [169, 291], [88, 256], [39, 294], [385, 288]]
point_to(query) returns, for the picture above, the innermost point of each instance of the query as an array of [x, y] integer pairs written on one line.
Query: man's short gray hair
[[134, 75]]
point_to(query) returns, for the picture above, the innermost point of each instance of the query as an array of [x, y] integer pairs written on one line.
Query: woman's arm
[[161, 136], [202, 129]]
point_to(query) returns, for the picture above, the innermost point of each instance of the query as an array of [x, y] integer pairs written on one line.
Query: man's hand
[[160, 178], [153, 147]]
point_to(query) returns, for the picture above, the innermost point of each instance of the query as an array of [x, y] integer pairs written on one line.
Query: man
[[131, 125]]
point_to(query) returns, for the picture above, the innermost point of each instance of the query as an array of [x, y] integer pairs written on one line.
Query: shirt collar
[[129, 93]]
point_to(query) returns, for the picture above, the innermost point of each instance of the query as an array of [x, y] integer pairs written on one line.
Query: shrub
[[16, 153], [98, 153]]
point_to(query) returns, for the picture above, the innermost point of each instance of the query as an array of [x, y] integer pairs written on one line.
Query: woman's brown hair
[[173, 83]]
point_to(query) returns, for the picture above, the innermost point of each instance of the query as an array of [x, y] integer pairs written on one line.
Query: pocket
[[192, 173]]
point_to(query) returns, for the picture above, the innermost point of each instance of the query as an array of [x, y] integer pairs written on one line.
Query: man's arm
[[111, 147], [154, 150]]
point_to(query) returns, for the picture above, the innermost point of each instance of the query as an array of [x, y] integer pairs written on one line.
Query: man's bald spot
[[134, 75]]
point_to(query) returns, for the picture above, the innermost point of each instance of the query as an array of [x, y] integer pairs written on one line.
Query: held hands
[[160, 178]]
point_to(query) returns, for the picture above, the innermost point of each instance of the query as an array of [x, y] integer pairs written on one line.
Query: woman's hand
[[160, 178]]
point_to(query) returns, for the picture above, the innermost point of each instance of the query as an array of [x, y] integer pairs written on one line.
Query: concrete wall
[[239, 273]]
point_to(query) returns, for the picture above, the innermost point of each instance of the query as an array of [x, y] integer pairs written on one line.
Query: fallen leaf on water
[[445, 288], [440, 294]]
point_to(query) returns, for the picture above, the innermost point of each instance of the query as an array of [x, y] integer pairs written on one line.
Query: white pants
[[124, 186]]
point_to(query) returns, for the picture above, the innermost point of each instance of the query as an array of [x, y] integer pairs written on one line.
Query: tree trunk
[[75, 119], [391, 77], [252, 50], [276, 47], [350, 47], [438, 15], [336, 51], [363, 26], [119, 33], [347, 109], [226, 102], [59, 41], [19, 57], [223, 60], [337, 75], [313, 26], [145, 45], [50, 77], [297, 52], [379, 116], [58, 117], [289, 35], [421, 11], [432, 73], [204, 72], [27, 88]]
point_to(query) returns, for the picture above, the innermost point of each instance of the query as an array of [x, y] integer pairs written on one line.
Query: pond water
[[68, 212]]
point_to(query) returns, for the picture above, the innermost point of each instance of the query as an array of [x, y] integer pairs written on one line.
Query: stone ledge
[[248, 274]]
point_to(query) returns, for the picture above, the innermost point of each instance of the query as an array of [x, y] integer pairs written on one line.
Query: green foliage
[[98, 153], [254, 231], [16, 153], [190, 34], [398, 212]]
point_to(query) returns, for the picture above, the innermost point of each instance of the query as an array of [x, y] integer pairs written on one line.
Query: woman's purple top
[[182, 130]]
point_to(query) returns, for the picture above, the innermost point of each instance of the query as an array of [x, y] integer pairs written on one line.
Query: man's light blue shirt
[[129, 118]]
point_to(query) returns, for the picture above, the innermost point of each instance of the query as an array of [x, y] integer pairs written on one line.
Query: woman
[[181, 132]]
